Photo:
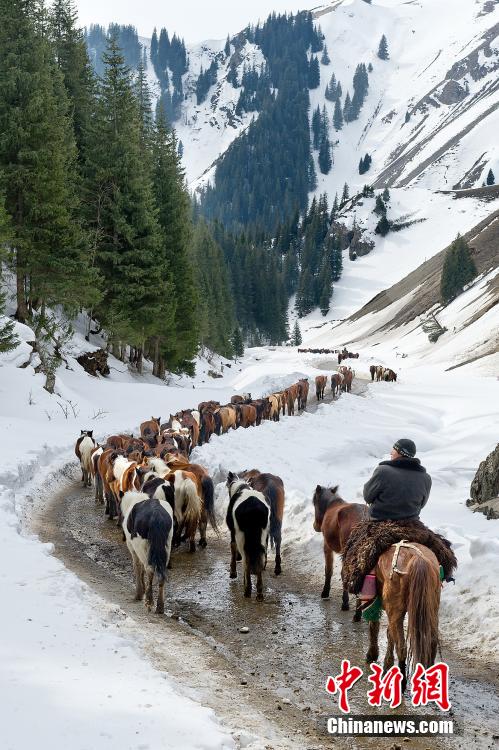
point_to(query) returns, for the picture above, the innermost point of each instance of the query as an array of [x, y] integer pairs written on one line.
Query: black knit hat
[[405, 447]]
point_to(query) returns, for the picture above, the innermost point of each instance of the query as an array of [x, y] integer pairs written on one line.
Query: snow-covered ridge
[[432, 108]]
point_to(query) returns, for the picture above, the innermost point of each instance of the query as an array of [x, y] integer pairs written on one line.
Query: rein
[[406, 545]]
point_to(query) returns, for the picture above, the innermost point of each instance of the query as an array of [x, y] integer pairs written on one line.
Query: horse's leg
[[233, 554], [277, 540], [345, 604], [192, 540], [259, 586], [373, 652], [358, 611], [328, 570], [160, 604], [401, 646], [139, 578], [149, 598], [203, 523], [247, 577]]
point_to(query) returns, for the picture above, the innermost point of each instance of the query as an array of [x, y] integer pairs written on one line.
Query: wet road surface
[[278, 669]]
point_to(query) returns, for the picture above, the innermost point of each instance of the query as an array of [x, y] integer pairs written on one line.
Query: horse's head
[[323, 497]]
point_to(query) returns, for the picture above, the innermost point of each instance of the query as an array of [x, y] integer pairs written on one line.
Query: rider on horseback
[[399, 488], [396, 494]]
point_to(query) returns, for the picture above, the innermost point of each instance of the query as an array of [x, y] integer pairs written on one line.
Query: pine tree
[[326, 289], [154, 46], [383, 49], [316, 127], [458, 270], [386, 196], [297, 337], [314, 73], [325, 59], [338, 115], [237, 343], [379, 206], [179, 346], [122, 213], [383, 226], [227, 47], [347, 108], [215, 310], [38, 160], [345, 194], [8, 338], [490, 178], [325, 160], [72, 58]]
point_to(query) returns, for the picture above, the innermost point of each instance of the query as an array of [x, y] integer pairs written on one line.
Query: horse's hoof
[[203, 543], [277, 571], [233, 575], [160, 610], [247, 594], [259, 597], [345, 607], [357, 617], [325, 595]]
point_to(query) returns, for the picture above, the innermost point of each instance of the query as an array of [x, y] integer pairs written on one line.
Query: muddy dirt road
[[268, 682]]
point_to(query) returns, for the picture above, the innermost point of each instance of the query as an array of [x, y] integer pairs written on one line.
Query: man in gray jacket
[[399, 488]]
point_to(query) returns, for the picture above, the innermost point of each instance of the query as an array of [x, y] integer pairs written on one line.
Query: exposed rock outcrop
[[94, 362], [484, 489]]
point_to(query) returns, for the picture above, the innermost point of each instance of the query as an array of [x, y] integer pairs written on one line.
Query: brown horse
[[292, 397], [261, 406], [335, 518], [303, 387], [336, 381], [151, 428], [188, 419], [228, 417], [272, 487], [208, 426], [175, 463], [408, 581], [275, 406], [372, 370], [246, 415], [320, 386]]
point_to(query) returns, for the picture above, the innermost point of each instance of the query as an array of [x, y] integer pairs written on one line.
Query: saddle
[[369, 539]]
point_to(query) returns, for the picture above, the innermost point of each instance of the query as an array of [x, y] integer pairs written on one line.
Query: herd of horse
[[378, 372], [161, 499]]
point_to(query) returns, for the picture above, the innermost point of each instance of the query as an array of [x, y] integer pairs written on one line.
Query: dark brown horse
[[303, 387], [208, 426], [335, 518], [412, 588], [372, 370], [272, 487], [320, 386]]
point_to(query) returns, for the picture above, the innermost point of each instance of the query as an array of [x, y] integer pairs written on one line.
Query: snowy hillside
[[431, 112]]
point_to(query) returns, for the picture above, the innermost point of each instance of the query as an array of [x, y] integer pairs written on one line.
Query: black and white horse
[[148, 528], [248, 519]]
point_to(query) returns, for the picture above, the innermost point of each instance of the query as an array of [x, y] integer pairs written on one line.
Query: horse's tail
[[209, 501], [253, 520], [422, 609], [193, 505], [157, 536], [275, 521]]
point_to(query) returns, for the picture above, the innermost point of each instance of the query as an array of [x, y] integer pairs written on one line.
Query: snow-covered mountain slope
[[390, 325], [431, 112]]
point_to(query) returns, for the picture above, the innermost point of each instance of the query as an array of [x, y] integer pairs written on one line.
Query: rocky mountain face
[[484, 489]]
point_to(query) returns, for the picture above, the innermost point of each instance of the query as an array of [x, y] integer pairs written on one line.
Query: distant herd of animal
[[342, 355], [161, 499]]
